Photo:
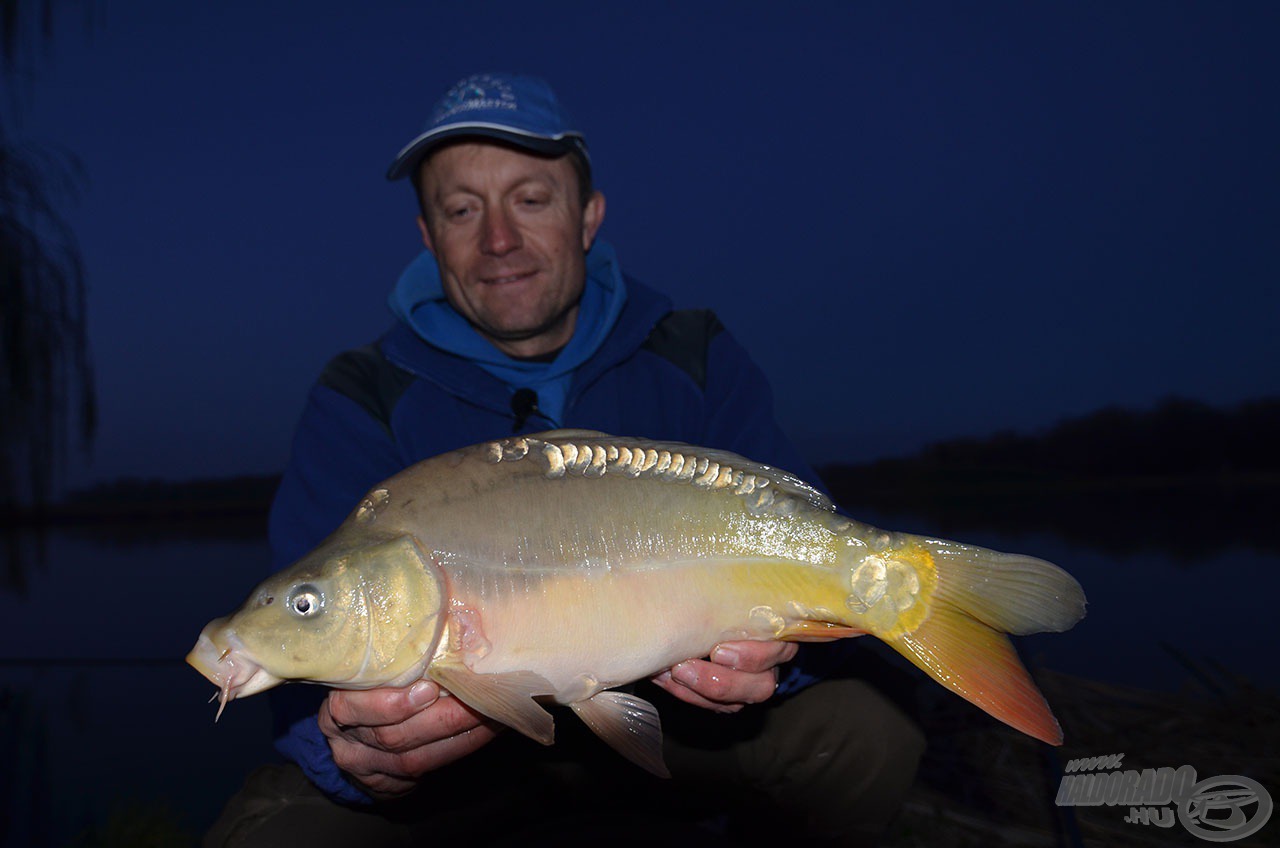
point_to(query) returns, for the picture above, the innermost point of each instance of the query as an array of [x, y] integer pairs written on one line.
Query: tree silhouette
[[46, 382]]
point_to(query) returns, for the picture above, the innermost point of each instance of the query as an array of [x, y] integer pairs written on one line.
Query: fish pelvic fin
[[506, 697], [956, 632], [629, 724]]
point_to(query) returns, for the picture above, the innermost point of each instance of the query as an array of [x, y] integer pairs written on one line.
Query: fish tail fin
[[958, 634]]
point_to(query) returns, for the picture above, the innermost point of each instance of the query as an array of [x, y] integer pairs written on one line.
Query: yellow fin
[[506, 697], [629, 724], [980, 665], [969, 598], [817, 631], [1013, 593]]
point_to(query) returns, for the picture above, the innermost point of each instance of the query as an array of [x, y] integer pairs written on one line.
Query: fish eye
[[306, 601]]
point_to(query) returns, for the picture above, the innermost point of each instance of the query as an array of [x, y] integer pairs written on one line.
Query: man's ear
[[426, 234], [592, 218]]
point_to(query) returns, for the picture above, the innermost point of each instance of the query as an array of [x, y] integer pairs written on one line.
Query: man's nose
[[501, 236]]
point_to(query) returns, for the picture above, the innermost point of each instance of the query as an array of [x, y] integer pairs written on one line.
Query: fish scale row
[[595, 460]]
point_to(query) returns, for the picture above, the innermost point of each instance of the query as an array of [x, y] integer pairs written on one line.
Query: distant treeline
[[128, 510], [244, 492], [1184, 476], [133, 511], [1177, 437]]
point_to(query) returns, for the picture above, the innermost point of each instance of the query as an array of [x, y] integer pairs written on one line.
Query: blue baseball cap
[[519, 110]]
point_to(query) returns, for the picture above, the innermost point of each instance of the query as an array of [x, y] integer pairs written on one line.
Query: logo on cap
[[482, 91]]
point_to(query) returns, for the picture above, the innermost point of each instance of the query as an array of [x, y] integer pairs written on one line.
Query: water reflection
[[99, 713]]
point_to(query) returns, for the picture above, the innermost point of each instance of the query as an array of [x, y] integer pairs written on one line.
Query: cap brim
[[414, 152]]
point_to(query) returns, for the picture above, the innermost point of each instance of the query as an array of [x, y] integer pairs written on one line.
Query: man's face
[[510, 234]]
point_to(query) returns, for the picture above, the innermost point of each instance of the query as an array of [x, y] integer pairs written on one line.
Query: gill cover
[[404, 596]]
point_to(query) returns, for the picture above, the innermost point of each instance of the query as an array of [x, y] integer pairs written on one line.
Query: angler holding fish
[[471, 592]]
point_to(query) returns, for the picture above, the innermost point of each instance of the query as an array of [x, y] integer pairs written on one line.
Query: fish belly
[[593, 629]]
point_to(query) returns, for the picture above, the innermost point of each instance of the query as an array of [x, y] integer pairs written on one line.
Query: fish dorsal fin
[[506, 697], [576, 450], [629, 724]]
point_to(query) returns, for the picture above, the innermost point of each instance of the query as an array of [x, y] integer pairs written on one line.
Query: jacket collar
[[463, 378]]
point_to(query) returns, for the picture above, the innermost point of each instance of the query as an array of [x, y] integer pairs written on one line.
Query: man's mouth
[[504, 279]]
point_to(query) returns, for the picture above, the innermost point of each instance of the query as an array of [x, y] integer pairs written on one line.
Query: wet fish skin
[[561, 565]]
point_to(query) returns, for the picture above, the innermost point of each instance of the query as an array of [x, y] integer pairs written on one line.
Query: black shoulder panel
[[366, 376], [683, 337]]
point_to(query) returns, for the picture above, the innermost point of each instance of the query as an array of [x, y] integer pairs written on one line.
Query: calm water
[[100, 716]]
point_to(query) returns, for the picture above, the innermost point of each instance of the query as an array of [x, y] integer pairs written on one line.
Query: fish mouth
[[221, 657]]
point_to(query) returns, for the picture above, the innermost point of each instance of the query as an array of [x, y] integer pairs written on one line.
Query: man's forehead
[[475, 163]]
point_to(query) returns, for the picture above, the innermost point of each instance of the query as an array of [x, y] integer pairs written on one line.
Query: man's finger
[[364, 762], [682, 692], [388, 760], [724, 685], [748, 655], [377, 707], [442, 719]]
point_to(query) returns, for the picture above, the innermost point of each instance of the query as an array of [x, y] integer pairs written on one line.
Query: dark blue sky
[[924, 219]]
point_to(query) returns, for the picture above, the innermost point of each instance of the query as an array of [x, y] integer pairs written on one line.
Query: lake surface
[[102, 718]]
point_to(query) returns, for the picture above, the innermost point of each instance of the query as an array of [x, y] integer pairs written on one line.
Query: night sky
[[923, 219]]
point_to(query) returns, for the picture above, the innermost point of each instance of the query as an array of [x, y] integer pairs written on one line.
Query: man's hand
[[386, 739], [738, 673]]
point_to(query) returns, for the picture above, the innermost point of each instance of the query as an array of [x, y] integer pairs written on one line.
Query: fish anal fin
[[979, 664], [817, 631], [506, 697], [629, 724]]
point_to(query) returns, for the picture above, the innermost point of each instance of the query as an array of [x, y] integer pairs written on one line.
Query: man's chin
[[526, 339]]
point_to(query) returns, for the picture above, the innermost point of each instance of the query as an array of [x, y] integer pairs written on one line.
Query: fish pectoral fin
[[816, 631], [629, 724], [506, 697]]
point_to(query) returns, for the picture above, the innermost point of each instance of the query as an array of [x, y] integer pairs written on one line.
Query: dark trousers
[[830, 764]]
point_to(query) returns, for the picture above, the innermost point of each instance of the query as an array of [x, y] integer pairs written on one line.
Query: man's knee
[[841, 752], [843, 724], [278, 806]]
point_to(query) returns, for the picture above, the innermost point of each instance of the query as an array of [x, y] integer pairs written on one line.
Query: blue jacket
[[376, 410]]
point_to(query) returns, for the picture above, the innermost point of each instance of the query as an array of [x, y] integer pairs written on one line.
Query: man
[[518, 319]]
